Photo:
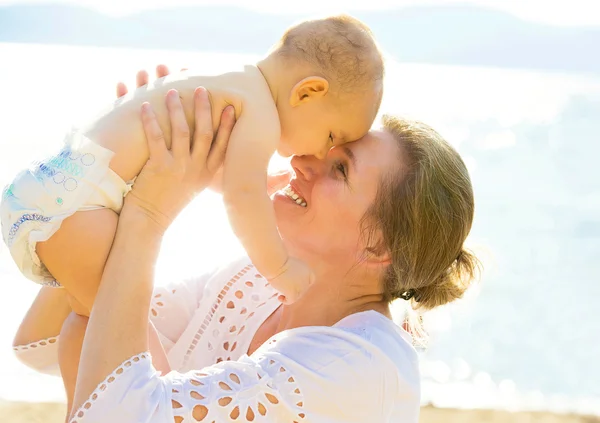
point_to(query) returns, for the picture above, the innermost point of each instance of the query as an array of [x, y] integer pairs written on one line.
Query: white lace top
[[363, 369]]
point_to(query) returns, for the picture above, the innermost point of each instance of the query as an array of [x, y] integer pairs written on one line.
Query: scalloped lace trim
[[37, 344], [109, 379]]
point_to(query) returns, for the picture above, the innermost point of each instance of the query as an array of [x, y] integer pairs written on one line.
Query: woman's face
[[333, 194]]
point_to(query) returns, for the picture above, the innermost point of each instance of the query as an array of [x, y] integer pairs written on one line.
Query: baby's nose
[[322, 154]]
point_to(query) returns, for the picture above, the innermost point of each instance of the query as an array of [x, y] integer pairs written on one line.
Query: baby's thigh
[[76, 254]]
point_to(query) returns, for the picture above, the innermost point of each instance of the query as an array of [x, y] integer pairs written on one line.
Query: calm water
[[526, 337]]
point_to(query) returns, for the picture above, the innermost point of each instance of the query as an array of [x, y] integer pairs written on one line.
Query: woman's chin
[[287, 212]]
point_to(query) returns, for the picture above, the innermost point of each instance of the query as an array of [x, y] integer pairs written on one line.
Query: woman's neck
[[333, 297], [330, 299]]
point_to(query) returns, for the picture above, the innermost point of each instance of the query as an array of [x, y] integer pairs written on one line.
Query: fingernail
[[200, 91], [173, 94], [146, 108]]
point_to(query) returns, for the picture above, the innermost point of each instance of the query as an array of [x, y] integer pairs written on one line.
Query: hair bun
[[451, 284]]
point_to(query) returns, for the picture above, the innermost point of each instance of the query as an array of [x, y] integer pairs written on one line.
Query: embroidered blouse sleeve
[[308, 374], [171, 310], [41, 355]]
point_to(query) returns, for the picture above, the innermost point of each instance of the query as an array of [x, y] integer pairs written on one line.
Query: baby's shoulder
[[245, 81]]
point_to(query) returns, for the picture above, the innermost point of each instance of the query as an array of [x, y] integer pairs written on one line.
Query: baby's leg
[[59, 217], [76, 254], [69, 352]]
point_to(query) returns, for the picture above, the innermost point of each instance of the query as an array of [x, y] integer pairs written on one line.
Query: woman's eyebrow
[[350, 155]]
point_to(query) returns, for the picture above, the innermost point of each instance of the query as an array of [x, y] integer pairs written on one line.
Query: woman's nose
[[306, 166]]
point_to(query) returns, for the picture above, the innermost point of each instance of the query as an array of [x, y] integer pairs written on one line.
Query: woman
[[386, 218]]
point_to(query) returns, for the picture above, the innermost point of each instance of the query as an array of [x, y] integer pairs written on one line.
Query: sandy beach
[[15, 412]]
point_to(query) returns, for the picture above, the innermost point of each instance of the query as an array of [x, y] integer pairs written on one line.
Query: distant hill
[[462, 35]]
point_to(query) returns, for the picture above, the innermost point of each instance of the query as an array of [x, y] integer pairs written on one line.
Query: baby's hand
[[293, 282]]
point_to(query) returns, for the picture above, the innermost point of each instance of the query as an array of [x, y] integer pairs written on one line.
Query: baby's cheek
[[293, 146], [284, 150], [309, 147], [309, 140]]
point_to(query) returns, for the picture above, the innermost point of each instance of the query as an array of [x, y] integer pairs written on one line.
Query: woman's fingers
[[141, 78], [180, 131], [203, 134], [162, 71], [154, 135], [219, 145], [121, 89]]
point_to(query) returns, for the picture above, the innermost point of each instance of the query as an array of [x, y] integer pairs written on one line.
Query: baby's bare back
[[120, 129]]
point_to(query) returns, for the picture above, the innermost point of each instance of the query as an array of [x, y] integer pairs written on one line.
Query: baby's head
[[331, 87]]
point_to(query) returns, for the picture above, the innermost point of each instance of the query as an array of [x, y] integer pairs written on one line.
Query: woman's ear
[[308, 89], [377, 256]]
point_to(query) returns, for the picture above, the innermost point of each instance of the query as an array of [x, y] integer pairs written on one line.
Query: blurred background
[[514, 85]]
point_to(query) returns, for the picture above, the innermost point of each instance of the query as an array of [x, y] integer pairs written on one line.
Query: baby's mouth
[[289, 191]]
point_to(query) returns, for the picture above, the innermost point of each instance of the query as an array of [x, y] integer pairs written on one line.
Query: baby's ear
[[309, 88]]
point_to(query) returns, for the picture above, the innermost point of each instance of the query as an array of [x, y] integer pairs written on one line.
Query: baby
[[320, 86]]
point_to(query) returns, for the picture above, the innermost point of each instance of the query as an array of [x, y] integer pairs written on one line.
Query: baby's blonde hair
[[340, 47]]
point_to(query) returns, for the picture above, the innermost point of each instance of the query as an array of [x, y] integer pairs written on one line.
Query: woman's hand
[[172, 178], [142, 78]]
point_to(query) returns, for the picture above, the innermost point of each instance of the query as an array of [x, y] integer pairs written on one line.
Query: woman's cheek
[[330, 189]]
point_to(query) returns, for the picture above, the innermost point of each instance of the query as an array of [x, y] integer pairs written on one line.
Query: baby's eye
[[331, 137]]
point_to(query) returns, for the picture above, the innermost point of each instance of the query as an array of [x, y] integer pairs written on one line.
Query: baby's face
[[314, 127]]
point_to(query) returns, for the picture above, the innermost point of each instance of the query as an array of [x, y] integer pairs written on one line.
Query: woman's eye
[[340, 167]]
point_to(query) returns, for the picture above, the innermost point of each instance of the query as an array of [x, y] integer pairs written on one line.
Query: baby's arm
[[251, 215]]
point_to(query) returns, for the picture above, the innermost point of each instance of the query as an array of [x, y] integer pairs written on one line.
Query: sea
[[526, 336]]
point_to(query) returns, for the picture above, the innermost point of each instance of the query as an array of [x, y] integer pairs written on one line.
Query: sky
[[554, 12]]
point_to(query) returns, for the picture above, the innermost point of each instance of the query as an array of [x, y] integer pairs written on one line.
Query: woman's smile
[[293, 195]]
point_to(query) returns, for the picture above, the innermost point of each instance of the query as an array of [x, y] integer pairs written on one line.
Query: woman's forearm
[[44, 318], [118, 323], [117, 328]]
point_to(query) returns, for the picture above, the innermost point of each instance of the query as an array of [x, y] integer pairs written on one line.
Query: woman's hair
[[422, 215]]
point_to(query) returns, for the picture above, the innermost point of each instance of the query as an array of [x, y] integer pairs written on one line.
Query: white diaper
[[41, 197]]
